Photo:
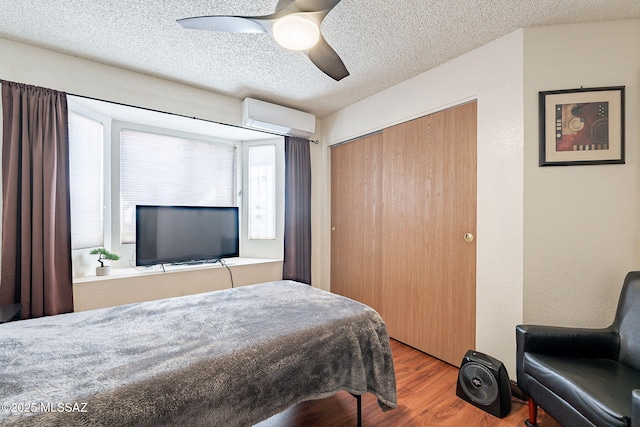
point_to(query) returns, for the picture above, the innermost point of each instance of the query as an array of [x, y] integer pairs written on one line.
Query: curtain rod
[[167, 112], [161, 112]]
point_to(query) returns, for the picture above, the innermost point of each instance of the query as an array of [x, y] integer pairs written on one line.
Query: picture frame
[[582, 126]]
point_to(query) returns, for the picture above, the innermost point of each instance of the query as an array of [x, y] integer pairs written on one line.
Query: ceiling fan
[[295, 25]]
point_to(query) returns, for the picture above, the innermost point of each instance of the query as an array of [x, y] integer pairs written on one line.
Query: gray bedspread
[[225, 358]]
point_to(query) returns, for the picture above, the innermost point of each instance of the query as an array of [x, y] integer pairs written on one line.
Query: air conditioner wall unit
[[260, 115]]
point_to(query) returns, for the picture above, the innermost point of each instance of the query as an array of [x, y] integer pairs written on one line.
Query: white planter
[[103, 271]]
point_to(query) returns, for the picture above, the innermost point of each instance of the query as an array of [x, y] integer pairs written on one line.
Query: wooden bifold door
[[403, 219]]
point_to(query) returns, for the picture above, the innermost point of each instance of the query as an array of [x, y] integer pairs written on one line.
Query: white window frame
[[128, 249], [82, 191], [263, 192], [201, 153], [84, 264], [257, 248]]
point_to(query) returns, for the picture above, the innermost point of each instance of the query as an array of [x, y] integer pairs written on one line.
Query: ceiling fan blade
[[307, 5], [283, 4], [233, 24], [321, 54], [327, 60]]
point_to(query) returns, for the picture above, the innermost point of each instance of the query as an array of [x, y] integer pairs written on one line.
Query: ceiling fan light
[[295, 32]]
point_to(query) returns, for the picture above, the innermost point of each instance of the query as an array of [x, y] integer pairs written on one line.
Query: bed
[[233, 357]]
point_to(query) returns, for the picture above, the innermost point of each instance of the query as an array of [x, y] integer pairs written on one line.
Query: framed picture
[[582, 126]]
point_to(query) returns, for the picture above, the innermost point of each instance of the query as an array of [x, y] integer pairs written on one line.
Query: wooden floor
[[426, 389]]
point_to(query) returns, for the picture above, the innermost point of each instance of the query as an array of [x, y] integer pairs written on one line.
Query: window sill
[[118, 273], [131, 285]]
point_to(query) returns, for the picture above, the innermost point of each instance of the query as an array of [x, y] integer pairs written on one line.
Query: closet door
[[402, 203], [429, 205], [356, 212]]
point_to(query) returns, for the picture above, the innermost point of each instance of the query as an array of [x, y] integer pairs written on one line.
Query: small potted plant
[[104, 254]]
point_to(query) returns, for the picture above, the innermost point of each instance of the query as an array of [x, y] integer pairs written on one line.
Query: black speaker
[[483, 381]]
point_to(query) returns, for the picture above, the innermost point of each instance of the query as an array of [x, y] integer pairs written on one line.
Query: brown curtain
[[36, 231], [297, 211]]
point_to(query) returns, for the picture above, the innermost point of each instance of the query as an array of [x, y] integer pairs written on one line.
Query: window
[[86, 181], [262, 192], [122, 156], [165, 170]]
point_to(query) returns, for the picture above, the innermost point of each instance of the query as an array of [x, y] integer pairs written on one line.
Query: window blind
[[86, 181], [165, 170]]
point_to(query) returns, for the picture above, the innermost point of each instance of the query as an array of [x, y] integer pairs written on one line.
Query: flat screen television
[[185, 234]]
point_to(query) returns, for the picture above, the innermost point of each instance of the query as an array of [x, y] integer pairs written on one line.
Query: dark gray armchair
[[585, 377]]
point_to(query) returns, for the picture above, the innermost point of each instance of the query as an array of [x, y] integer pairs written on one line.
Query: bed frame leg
[[359, 407], [533, 414]]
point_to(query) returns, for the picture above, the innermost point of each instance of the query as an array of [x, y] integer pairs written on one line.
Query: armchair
[[585, 377]]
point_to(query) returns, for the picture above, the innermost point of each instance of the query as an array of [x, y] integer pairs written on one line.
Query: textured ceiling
[[381, 42]]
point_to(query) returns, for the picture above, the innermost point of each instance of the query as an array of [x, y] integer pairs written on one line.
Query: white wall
[[23, 63], [493, 75], [320, 211], [126, 286], [581, 223]]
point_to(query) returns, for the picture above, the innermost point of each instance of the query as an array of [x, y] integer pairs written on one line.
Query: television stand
[[199, 262]]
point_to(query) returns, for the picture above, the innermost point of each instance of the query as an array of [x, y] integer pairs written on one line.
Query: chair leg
[[533, 414]]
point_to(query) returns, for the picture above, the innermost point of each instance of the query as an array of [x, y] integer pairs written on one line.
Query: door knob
[[468, 237], [333, 228]]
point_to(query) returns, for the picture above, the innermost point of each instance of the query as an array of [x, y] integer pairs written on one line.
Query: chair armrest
[[570, 342], [635, 408], [562, 341]]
